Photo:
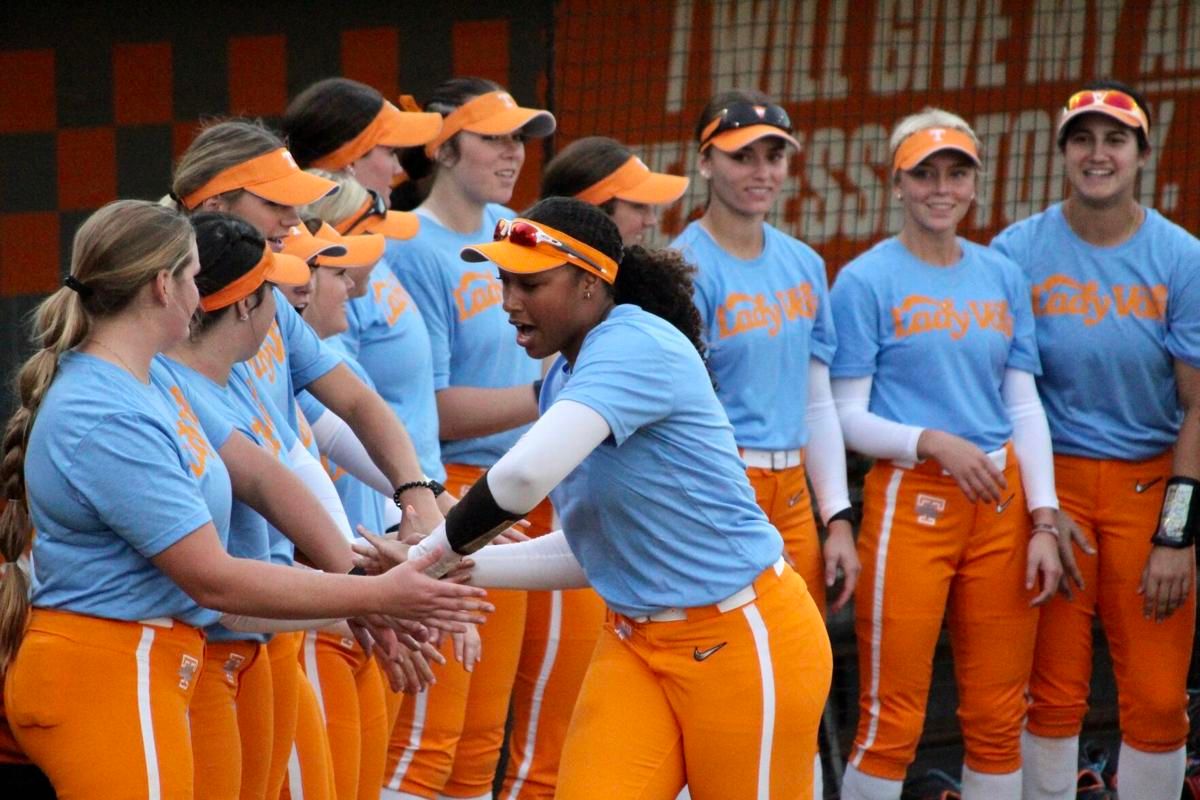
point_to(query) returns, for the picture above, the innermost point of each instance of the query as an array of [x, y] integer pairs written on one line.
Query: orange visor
[[523, 246], [1110, 102], [733, 140], [274, 267], [302, 244], [635, 183], [373, 216], [493, 114], [391, 127], [924, 143], [360, 251], [272, 176]]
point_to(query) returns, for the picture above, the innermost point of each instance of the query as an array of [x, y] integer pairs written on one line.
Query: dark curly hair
[[658, 281]]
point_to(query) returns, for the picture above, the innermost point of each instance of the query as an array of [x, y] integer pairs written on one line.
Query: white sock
[[684, 794], [487, 796], [391, 794], [1150, 775], [857, 785], [818, 778], [1050, 767], [988, 786]]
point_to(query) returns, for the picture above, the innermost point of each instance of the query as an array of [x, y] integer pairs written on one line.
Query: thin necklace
[[117, 355]]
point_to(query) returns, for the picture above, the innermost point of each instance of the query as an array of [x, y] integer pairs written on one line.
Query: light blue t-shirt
[[1110, 322], [764, 320], [387, 337], [661, 514], [936, 340], [471, 340], [291, 357], [117, 472], [218, 407], [363, 505]]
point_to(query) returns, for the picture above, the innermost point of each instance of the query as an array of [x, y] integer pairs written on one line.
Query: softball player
[[704, 613], [349, 129], [242, 168], [561, 627], [120, 586], [933, 376], [1116, 297], [447, 741], [764, 301]]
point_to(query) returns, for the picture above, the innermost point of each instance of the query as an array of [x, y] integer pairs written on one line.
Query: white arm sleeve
[[309, 470], [542, 564], [825, 455], [1031, 438], [336, 440], [868, 433], [556, 444]]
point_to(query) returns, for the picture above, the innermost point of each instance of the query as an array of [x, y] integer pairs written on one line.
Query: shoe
[[1097, 777], [933, 785]]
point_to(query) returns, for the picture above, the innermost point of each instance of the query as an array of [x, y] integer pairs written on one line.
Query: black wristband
[[429, 484], [537, 391], [846, 514], [476, 519], [1180, 517], [357, 571]]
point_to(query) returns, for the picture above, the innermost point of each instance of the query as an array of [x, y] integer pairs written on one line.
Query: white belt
[[998, 457], [736, 600], [158, 622], [772, 459]]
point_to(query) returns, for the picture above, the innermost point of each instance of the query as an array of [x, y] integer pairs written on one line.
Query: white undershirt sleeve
[[868, 433], [825, 455], [556, 444], [1031, 438], [542, 564], [314, 476], [337, 441]]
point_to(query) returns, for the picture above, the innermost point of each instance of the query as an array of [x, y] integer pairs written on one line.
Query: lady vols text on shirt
[[1116, 296], [934, 376], [714, 664], [764, 299]]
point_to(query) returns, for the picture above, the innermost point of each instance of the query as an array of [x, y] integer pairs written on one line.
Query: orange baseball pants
[[1116, 503], [349, 692], [727, 703], [10, 752], [256, 724], [447, 740], [928, 552], [102, 706], [310, 766], [283, 651], [217, 743], [784, 497]]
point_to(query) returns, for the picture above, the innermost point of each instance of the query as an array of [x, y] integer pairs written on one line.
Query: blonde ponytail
[[116, 251]]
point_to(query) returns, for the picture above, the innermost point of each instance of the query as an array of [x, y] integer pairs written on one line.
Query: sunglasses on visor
[[526, 234], [741, 115]]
